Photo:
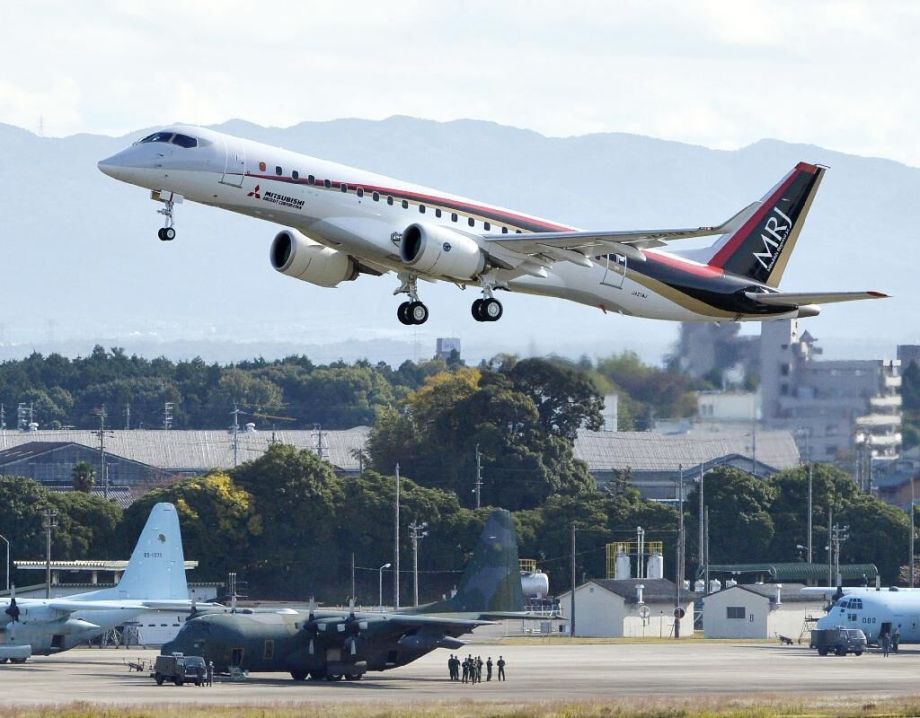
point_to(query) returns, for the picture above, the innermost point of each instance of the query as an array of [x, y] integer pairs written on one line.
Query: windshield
[[172, 138]]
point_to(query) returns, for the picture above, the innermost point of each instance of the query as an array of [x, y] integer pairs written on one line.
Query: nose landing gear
[[413, 311], [167, 233]]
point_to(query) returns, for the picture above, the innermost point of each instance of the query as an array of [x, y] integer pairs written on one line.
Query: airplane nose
[[110, 166]]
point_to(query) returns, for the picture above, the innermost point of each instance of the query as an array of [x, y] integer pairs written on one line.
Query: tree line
[[133, 390]]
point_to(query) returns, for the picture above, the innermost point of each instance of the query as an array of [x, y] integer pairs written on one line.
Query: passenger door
[[234, 166], [615, 271]]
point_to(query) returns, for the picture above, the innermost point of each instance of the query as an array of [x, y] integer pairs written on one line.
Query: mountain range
[[82, 263]]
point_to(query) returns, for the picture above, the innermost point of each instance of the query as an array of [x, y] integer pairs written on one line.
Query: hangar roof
[[196, 450], [648, 451]]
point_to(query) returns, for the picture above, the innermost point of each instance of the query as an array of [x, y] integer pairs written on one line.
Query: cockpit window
[[158, 137], [184, 141]]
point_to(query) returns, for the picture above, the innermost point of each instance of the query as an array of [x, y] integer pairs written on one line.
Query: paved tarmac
[[538, 672]]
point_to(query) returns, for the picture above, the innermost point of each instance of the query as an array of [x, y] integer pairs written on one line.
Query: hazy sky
[[723, 74]]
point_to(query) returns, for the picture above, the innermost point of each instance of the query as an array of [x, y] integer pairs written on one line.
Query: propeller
[[352, 627], [311, 628], [13, 609]]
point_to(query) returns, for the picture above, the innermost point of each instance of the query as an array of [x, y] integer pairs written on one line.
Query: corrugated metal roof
[[647, 451], [798, 570], [196, 450]]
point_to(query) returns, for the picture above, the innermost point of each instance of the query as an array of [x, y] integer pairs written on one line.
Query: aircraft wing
[[577, 246], [70, 605], [789, 299], [409, 619]]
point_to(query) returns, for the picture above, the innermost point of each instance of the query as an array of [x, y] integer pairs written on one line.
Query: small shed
[[760, 610], [613, 608]]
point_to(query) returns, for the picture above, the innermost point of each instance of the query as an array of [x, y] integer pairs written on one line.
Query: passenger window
[[360, 192], [471, 222], [278, 170], [405, 204], [453, 216], [311, 179], [389, 200], [344, 187], [505, 231], [376, 196], [421, 209], [437, 212], [295, 174], [184, 141], [517, 231], [486, 226], [327, 184]]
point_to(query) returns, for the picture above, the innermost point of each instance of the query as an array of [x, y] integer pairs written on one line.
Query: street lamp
[[7, 563], [380, 583]]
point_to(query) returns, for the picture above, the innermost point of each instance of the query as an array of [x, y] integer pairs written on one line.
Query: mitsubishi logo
[[255, 193]]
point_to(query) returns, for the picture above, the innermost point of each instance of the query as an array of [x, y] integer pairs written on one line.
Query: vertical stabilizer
[[492, 579], [157, 566], [761, 247]]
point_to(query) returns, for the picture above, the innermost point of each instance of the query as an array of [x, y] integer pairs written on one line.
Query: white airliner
[[153, 580], [343, 222]]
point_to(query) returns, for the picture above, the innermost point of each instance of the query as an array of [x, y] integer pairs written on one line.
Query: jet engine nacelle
[[441, 251], [298, 256]]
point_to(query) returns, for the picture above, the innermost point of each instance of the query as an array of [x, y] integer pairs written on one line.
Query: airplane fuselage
[[363, 215]]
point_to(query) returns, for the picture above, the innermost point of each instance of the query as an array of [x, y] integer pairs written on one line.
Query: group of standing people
[[471, 668]]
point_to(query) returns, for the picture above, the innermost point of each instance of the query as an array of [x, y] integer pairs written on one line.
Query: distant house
[[627, 607]]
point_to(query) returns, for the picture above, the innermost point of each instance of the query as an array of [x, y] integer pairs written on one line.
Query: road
[[538, 672]]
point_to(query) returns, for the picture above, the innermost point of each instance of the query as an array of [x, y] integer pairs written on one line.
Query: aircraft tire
[[822, 651], [159, 679], [491, 310], [178, 681], [334, 677], [417, 313], [317, 676], [402, 313], [857, 653], [160, 234], [476, 310], [299, 675], [169, 234], [352, 676], [17, 660]]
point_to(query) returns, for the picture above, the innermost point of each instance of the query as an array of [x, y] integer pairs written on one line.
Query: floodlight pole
[[8, 562], [380, 584], [572, 617], [396, 547]]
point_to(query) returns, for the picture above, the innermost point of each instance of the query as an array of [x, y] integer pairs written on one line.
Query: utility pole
[[912, 499], [640, 546], [49, 522], [352, 574], [839, 536], [416, 533], [235, 430], [396, 548], [702, 528], [478, 488], [168, 415], [830, 553], [2, 417], [101, 433], [810, 510], [706, 550], [128, 416], [572, 618], [320, 439], [679, 560]]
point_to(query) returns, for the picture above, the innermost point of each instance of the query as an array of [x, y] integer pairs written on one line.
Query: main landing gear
[[487, 309], [413, 311]]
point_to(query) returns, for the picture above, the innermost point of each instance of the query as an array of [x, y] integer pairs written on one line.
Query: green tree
[[83, 477]]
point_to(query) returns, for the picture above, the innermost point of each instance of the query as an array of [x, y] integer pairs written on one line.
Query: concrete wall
[[754, 624]]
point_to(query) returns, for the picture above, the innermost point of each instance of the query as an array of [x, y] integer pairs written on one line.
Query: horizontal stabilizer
[[795, 299]]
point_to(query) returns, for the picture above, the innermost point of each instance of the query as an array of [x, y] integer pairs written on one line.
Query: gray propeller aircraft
[[335, 644]]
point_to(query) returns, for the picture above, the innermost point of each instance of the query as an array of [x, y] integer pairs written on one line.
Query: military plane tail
[[491, 583]]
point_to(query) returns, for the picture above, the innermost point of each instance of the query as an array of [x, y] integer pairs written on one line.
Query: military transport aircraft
[[336, 644], [154, 579], [343, 222], [874, 610]]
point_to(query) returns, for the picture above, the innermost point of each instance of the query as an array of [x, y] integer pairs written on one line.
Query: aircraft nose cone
[[110, 166]]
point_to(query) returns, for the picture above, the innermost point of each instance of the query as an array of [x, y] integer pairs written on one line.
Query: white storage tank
[[534, 584], [623, 568], [699, 585], [715, 585], [730, 583], [655, 566]]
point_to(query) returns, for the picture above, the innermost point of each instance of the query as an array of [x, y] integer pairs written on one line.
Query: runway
[[536, 672]]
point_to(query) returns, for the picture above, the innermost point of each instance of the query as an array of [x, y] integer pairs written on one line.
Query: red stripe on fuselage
[[510, 217], [700, 270]]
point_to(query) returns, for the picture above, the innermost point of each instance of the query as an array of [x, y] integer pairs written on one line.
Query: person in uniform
[[886, 643], [210, 673], [466, 670], [479, 669], [501, 668], [488, 669]]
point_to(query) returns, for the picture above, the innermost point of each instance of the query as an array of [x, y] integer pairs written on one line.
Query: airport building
[[760, 611], [612, 608]]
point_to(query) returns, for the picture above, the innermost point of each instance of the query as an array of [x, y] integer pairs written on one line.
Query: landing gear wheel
[[402, 313], [299, 675], [166, 234], [477, 310], [334, 677], [417, 313], [352, 676]]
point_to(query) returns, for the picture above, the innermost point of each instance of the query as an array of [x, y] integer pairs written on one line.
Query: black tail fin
[[761, 247], [491, 582]]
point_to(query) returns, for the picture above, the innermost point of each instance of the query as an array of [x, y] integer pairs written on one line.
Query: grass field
[[631, 708]]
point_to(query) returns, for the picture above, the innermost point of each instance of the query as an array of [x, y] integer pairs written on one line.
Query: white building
[[611, 608], [762, 610]]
